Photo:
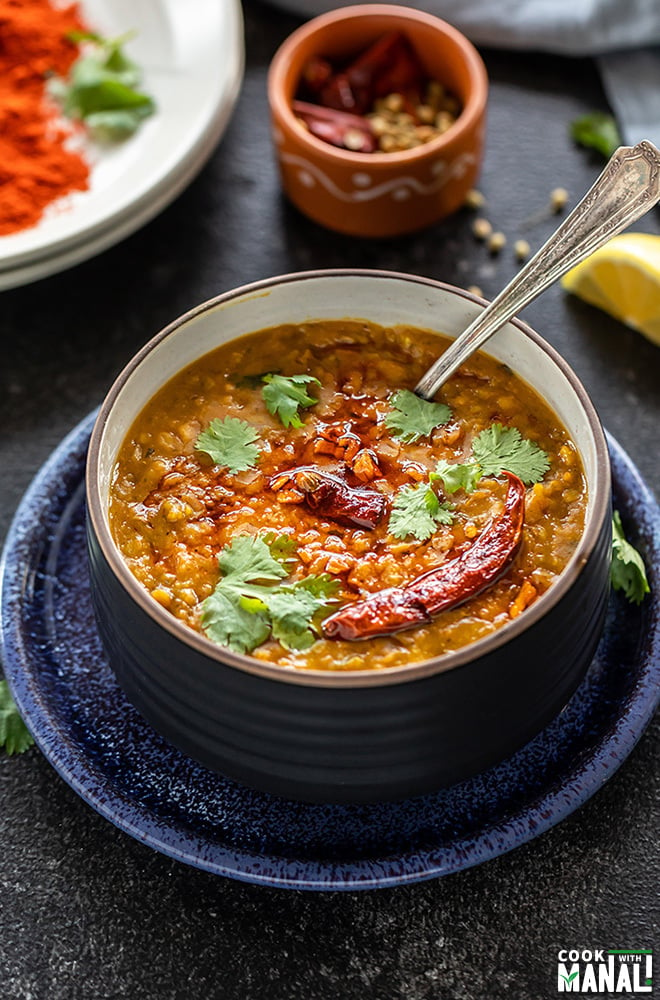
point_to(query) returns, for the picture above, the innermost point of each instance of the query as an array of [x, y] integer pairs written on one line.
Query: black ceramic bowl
[[362, 735]]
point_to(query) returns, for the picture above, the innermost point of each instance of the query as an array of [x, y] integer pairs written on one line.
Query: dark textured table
[[86, 911]]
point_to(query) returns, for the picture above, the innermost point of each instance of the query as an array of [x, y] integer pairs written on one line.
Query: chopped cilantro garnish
[[417, 511], [250, 558], [457, 475], [628, 572], [412, 417], [14, 735], [229, 623], [284, 394], [230, 442], [597, 131], [281, 546], [251, 602], [101, 89], [500, 449]]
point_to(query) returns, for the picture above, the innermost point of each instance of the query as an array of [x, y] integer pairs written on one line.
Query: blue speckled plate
[[101, 746]]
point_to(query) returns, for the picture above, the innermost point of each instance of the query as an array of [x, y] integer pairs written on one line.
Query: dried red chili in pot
[[382, 101]]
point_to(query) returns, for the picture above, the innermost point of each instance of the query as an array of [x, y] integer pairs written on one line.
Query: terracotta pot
[[379, 194]]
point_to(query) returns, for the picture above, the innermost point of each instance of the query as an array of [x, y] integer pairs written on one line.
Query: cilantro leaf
[[417, 511], [114, 125], [597, 131], [226, 622], [628, 572], [292, 610], [248, 558], [284, 394], [251, 603], [281, 546], [322, 585], [295, 609], [457, 475], [503, 449], [14, 735], [101, 89], [230, 442], [412, 417]]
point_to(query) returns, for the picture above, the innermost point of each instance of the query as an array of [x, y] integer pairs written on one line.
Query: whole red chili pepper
[[388, 65], [331, 496], [316, 73], [452, 583], [337, 127]]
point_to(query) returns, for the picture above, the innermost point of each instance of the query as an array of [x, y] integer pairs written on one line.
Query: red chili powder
[[36, 167]]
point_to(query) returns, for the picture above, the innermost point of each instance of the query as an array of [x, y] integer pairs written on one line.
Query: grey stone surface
[[87, 913]]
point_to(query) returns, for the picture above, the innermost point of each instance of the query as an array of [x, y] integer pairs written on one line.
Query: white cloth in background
[[624, 35], [632, 83]]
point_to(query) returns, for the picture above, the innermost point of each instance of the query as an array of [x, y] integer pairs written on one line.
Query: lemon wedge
[[623, 279]]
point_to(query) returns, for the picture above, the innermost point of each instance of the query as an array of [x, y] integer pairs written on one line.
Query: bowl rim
[[468, 119], [407, 673]]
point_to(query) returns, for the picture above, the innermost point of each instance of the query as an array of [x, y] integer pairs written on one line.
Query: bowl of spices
[[317, 583], [378, 118]]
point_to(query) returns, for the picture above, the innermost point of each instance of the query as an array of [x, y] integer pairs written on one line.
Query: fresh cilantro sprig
[[597, 131], [417, 511], [456, 475], [285, 394], [101, 89], [627, 571], [500, 449], [495, 450], [14, 734], [412, 418], [251, 603], [230, 442]]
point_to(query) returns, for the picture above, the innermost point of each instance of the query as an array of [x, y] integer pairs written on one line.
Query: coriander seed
[[444, 120], [521, 249], [387, 143], [425, 133], [474, 199], [558, 199], [496, 242], [353, 139], [482, 228], [393, 102], [425, 114]]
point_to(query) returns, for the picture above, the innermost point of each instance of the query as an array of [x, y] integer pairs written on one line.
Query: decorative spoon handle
[[627, 188]]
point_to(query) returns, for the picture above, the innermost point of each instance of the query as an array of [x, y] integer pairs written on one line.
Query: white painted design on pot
[[399, 188], [361, 180]]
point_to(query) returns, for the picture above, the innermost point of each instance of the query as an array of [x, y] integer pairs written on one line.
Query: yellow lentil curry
[[338, 489]]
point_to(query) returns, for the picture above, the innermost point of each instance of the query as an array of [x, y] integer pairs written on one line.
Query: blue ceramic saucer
[[99, 744]]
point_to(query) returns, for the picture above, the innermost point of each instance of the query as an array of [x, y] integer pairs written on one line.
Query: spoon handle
[[627, 188]]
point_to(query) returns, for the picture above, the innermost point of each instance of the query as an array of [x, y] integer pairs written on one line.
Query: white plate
[[191, 52]]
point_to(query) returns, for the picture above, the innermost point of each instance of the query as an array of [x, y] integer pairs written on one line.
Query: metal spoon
[[627, 188]]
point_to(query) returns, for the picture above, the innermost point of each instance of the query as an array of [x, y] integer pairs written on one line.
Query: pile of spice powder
[[36, 165]]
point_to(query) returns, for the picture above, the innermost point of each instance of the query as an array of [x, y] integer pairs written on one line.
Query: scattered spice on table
[[382, 101], [37, 165]]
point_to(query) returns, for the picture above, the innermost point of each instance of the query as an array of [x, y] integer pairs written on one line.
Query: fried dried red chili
[[455, 581], [329, 495]]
